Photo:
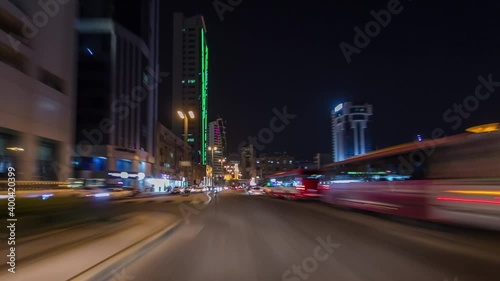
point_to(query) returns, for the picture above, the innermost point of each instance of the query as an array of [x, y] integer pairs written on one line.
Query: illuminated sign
[[125, 175], [488, 128], [339, 107]]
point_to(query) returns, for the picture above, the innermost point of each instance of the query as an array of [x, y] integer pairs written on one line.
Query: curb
[[106, 268]]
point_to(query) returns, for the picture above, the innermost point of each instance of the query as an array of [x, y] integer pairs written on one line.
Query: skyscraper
[[217, 138], [118, 89], [350, 130], [190, 81], [37, 85]]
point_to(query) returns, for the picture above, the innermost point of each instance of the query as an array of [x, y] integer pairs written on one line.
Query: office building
[[37, 70], [118, 79], [190, 81], [268, 164], [321, 159], [233, 165], [351, 128], [247, 166], [170, 152], [217, 138]]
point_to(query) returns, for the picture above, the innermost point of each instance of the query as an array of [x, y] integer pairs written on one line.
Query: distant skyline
[[266, 55]]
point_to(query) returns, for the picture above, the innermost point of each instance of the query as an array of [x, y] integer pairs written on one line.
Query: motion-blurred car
[[90, 191], [199, 189], [119, 192], [256, 190], [178, 190]]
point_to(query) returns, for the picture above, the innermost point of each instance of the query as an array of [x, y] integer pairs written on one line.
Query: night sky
[[270, 54]]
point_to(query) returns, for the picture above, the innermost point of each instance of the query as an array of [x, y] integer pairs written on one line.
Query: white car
[[256, 190]]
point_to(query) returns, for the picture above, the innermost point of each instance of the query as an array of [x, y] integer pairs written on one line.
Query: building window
[[123, 165], [10, 57], [99, 164], [46, 157]]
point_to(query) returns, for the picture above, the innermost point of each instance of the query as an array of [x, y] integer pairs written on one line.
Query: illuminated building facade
[[190, 81], [217, 138], [351, 134]]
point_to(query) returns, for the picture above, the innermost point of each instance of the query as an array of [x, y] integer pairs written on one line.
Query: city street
[[238, 237]]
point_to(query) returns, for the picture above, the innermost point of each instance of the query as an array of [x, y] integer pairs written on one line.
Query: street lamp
[[184, 116], [222, 162], [212, 149]]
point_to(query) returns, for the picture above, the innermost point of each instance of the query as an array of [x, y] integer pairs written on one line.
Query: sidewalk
[[62, 255]]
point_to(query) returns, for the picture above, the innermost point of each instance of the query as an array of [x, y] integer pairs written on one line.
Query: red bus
[[295, 184], [452, 180]]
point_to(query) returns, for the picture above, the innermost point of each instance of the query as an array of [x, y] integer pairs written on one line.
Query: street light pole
[[184, 116], [212, 149]]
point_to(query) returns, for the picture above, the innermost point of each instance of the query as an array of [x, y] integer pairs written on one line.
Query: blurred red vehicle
[[453, 180], [300, 183]]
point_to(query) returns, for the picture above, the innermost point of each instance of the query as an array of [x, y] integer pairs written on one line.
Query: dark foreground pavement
[[256, 238]]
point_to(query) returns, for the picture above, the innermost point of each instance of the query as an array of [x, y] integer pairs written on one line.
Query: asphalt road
[[237, 237]]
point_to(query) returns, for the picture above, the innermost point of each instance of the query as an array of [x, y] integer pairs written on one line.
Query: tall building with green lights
[[190, 81]]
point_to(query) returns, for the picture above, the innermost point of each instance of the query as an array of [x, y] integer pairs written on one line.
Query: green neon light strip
[[203, 101], [206, 93]]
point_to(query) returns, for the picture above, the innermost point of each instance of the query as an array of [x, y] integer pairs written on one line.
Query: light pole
[[212, 149], [184, 116], [186, 122], [222, 168]]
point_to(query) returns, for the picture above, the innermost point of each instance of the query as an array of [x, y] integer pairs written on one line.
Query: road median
[[85, 251]]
